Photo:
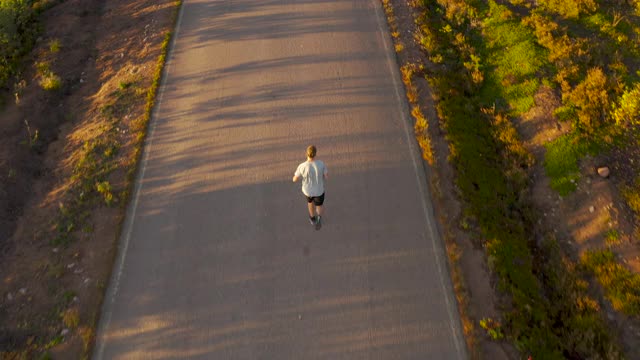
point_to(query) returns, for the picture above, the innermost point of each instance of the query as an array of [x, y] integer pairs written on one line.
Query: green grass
[[96, 160], [514, 60], [622, 287], [561, 162]]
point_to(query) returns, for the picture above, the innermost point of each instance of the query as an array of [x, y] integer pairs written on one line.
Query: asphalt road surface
[[217, 258]]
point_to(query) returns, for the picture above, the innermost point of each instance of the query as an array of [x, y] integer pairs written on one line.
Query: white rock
[[71, 266], [603, 172], [64, 332], [592, 209], [22, 291], [10, 296], [55, 250]]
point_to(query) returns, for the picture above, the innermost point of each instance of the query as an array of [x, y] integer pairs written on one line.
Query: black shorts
[[316, 200]]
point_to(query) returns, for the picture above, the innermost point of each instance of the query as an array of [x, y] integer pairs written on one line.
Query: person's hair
[[311, 151]]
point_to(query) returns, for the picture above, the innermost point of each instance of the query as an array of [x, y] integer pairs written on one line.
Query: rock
[[592, 209], [22, 291], [603, 172], [10, 296], [64, 332], [71, 266]]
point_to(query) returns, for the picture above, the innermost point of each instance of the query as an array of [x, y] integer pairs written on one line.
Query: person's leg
[[319, 201], [311, 207]]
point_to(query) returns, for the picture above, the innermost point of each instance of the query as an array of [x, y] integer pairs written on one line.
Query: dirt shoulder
[[52, 286]]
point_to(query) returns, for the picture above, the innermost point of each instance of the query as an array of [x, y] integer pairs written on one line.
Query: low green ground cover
[[514, 60], [561, 162]]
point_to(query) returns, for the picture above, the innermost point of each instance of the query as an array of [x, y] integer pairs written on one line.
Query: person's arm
[[297, 175]]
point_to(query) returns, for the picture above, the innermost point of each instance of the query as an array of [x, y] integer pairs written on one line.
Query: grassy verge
[[95, 162], [481, 83]]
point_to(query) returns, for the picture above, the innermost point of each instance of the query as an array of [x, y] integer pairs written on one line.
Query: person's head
[[311, 151]]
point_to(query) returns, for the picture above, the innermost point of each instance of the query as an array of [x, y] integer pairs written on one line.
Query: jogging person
[[313, 174]]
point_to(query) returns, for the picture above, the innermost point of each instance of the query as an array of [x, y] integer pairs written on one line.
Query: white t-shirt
[[312, 174]]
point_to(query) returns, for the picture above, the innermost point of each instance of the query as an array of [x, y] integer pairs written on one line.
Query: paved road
[[217, 259]]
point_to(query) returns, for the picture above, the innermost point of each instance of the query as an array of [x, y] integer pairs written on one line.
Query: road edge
[[422, 173]]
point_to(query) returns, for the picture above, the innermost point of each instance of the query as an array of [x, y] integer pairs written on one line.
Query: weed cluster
[[48, 80]]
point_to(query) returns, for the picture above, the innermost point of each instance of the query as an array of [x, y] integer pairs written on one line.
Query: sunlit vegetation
[[621, 285], [489, 60]]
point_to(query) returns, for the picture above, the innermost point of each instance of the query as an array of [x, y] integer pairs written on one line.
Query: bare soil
[[102, 42]]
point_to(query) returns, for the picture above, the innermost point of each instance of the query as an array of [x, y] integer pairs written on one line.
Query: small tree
[[627, 111], [591, 100], [570, 8]]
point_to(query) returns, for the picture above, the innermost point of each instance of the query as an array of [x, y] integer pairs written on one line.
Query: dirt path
[[217, 259]]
